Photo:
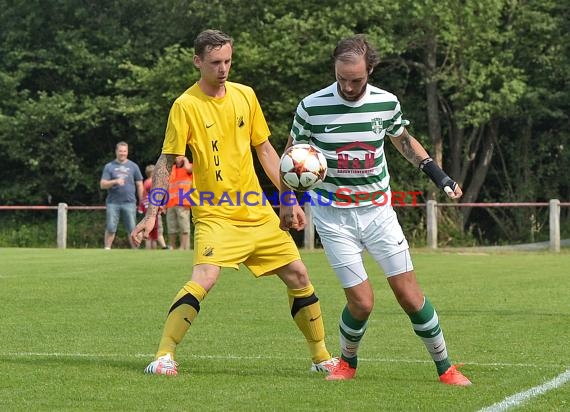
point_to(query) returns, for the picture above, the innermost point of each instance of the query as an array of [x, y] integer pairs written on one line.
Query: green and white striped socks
[[426, 325], [351, 332]]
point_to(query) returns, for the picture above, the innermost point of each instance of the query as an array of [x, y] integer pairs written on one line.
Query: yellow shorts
[[262, 249]]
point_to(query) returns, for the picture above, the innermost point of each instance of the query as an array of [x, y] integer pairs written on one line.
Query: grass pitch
[[77, 328]]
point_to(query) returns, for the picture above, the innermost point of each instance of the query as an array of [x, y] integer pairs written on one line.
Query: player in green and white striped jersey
[[349, 121], [351, 136]]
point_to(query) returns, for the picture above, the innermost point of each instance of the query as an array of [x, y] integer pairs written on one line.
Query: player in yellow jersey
[[220, 121]]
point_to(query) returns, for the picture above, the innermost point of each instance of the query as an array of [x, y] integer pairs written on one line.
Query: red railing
[[431, 206]]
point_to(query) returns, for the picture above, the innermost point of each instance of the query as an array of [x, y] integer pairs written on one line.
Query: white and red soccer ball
[[302, 167]]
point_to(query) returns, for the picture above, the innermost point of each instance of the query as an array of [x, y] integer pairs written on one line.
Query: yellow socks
[[306, 312], [182, 313]]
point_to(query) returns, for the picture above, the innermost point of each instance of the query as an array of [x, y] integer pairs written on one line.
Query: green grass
[[77, 327]]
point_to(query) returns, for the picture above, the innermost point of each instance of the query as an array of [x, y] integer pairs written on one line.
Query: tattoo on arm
[[162, 171], [411, 149], [160, 178]]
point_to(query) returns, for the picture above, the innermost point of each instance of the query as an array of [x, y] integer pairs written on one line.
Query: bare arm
[[410, 148], [182, 161], [269, 160], [139, 185], [107, 184], [291, 214], [160, 177], [413, 150], [282, 186]]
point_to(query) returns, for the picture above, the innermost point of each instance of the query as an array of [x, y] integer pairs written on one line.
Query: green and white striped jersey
[[351, 136]]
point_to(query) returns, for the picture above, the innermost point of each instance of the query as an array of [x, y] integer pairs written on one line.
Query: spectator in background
[[122, 179], [178, 209], [156, 236]]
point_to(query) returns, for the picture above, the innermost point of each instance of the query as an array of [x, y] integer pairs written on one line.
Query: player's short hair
[[211, 39], [357, 45], [149, 170], [121, 143]]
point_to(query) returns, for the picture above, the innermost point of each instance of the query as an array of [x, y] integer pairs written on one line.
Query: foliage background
[[484, 83]]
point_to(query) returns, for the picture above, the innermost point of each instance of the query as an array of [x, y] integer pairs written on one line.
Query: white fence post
[[61, 225], [309, 233], [554, 224], [431, 222]]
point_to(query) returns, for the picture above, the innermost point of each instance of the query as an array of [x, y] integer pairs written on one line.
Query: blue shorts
[[128, 211]]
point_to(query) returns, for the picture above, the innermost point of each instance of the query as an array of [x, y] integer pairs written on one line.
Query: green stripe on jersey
[[341, 128], [344, 109]]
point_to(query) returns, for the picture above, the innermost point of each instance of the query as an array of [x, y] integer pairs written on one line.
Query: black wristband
[[438, 176]]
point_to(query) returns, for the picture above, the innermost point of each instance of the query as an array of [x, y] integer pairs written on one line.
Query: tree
[[485, 84], [532, 159], [61, 113]]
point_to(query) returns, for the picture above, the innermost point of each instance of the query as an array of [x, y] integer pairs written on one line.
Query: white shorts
[[347, 232]]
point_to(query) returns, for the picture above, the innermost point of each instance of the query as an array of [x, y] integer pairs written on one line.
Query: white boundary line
[[253, 357], [521, 397]]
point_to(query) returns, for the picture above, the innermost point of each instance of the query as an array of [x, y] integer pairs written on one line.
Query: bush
[[28, 229], [85, 229]]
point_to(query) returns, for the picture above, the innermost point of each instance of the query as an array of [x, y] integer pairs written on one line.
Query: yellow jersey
[[220, 133]]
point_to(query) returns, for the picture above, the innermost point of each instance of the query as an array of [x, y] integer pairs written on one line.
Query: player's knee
[[361, 308], [366, 307], [410, 303], [295, 275], [301, 277]]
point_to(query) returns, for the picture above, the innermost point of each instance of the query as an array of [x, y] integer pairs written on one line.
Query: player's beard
[[354, 96]]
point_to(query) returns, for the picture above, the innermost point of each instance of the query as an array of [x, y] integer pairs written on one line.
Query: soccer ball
[[303, 167]]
